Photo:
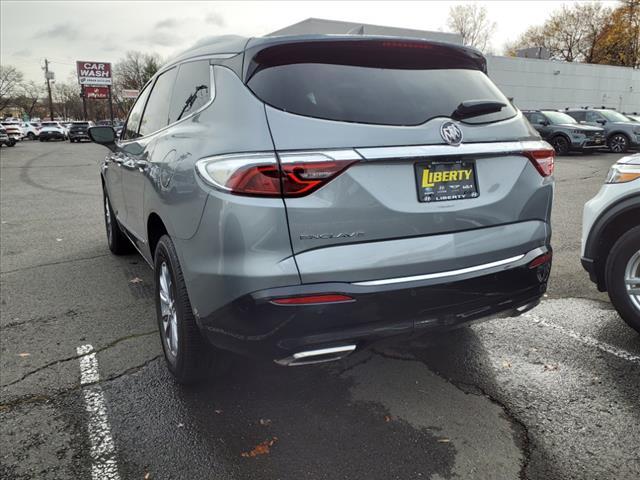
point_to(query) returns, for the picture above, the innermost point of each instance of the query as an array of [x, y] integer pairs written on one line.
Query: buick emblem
[[451, 133]]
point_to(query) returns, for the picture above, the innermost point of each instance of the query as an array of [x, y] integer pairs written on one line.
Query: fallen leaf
[[506, 364], [218, 411], [550, 367], [265, 422], [24, 354], [136, 280], [443, 440], [147, 476], [260, 449], [387, 418]]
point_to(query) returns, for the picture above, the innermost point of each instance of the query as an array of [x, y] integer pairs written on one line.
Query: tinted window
[[579, 116], [559, 118], [535, 118], [133, 122], [156, 115], [592, 116], [375, 95], [192, 89]]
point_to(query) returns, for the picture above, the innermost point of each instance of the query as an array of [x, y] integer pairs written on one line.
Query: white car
[[611, 238], [13, 130], [52, 131], [30, 130]]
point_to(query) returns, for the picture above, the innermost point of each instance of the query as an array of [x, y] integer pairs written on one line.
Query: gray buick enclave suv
[[301, 197]]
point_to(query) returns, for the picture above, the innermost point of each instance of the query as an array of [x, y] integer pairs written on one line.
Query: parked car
[[621, 133], [564, 133], [611, 238], [339, 190], [79, 131], [13, 130], [30, 130], [52, 131], [5, 139], [105, 123]]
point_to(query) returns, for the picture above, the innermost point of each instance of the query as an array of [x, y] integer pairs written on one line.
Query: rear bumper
[[255, 326]]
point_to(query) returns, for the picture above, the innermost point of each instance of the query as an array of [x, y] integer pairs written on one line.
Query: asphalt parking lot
[[549, 395]]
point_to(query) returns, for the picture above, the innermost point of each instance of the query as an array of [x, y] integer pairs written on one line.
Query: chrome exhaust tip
[[322, 355]]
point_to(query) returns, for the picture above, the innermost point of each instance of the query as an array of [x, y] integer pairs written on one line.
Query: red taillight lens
[[256, 180], [301, 178], [543, 159], [260, 174], [541, 260], [313, 299]]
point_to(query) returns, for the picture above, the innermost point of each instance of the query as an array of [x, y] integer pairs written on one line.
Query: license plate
[[440, 181]]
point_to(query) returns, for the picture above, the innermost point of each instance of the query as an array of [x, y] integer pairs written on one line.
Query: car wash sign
[[94, 73]]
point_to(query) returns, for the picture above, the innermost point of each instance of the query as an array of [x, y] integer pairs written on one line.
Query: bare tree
[[571, 33], [471, 21], [136, 69], [28, 96], [10, 81]]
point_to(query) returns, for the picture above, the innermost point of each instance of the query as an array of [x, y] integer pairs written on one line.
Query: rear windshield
[[409, 92]]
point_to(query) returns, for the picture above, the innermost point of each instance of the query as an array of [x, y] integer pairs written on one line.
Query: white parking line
[[587, 340], [103, 452]]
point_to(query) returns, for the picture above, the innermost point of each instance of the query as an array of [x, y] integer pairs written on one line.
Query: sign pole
[[110, 106], [83, 94]]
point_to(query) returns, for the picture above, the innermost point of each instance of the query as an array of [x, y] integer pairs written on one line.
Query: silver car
[[303, 197]]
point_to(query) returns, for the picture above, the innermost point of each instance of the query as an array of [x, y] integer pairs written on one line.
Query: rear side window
[[133, 121], [192, 90], [156, 114], [381, 83], [579, 116]]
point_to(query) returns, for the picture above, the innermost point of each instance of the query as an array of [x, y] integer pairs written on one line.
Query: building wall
[[536, 83]]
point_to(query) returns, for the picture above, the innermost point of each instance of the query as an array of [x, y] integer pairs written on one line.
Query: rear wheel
[[31, 136], [622, 274], [11, 142], [187, 354], [561, 145], [618, 143], [118, 243]]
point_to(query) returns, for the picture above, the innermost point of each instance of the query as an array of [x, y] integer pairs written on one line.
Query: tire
[[31, 136], [624, 255], [561, 144], [187, 354], [618, 143], [12, 143], [118, 243]]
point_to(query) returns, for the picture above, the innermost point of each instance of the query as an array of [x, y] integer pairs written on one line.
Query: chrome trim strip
[[324, 351], [502, 148], [309, 156], [505, 264]]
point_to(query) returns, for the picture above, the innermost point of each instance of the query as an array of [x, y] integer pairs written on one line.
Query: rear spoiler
[[376, 52]]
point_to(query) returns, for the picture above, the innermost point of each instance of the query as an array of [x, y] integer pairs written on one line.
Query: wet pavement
[[552, 394]]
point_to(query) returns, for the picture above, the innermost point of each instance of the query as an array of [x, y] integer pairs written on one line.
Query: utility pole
[[48, 75]]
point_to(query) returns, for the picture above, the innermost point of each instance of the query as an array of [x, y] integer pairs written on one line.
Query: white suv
[[611, 238]]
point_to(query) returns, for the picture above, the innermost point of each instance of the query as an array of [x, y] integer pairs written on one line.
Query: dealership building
[[530, 82]]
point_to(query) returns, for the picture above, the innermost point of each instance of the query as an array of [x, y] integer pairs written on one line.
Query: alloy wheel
[[168, 311], [632, 279], [560, 145], [618, 144], [107, 218]]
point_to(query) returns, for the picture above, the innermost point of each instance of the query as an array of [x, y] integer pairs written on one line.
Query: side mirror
[[104, 136]]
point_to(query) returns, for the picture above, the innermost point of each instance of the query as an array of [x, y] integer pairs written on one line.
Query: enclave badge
[[451, 133]]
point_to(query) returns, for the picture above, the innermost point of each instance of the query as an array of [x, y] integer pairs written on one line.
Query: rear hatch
[[367, 139]]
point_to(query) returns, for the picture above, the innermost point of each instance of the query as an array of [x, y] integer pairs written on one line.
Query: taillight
[[305, 172], [541, 260], [259, 174], [543, 159]]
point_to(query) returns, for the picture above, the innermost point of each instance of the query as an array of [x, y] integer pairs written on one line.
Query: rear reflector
[[542, 159], [541, 260], [313, 299]]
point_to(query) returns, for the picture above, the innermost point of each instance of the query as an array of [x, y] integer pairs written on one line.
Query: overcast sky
[[68, 31]]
